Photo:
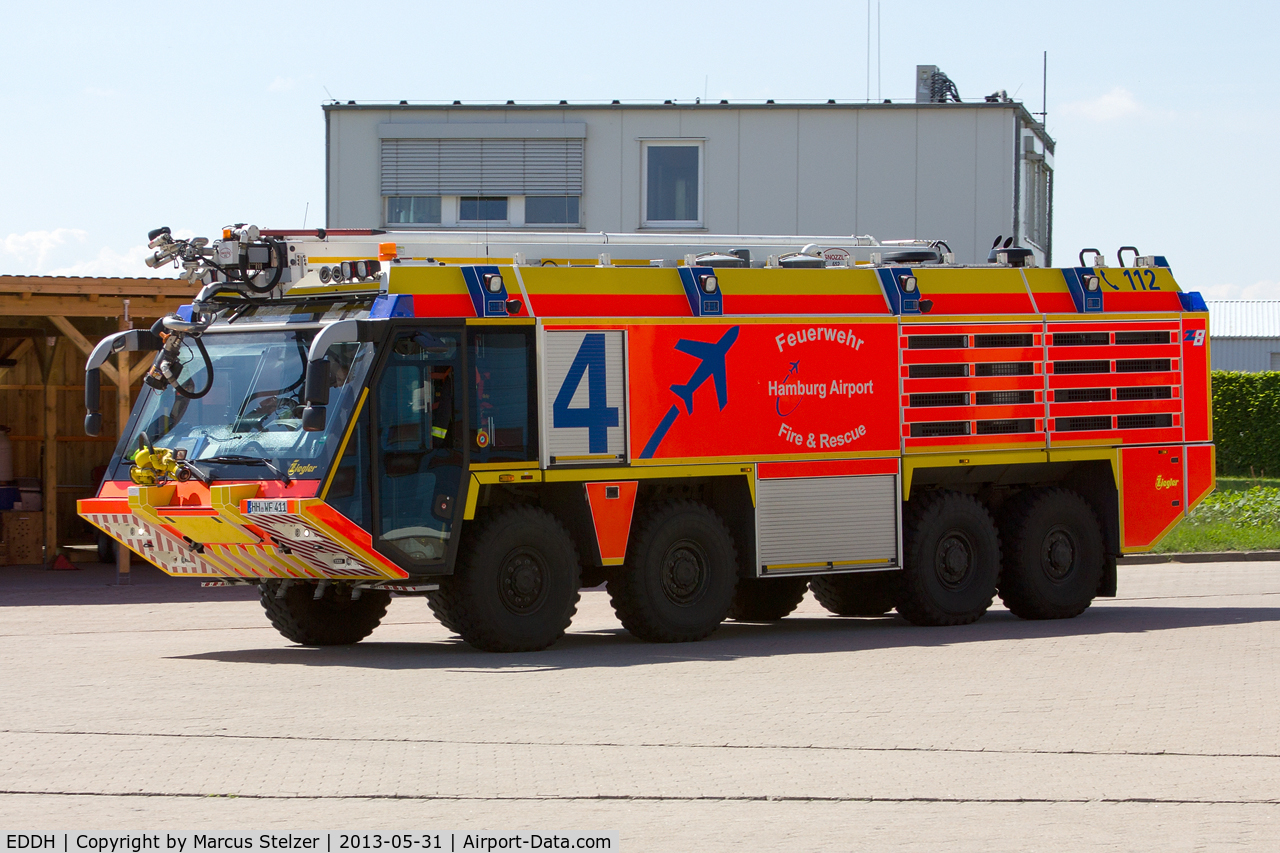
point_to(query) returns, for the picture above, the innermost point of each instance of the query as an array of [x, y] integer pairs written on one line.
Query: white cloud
[[286, 84], [30, 252], [1114, 105], [1258, 290], [69, 251]]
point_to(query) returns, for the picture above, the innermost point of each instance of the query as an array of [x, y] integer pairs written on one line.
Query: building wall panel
[[1248, 354]]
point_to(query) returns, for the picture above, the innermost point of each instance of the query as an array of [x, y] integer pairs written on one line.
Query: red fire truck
[[711, 426]]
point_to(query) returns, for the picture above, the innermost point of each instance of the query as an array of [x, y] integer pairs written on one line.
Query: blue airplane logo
[[712, 367]]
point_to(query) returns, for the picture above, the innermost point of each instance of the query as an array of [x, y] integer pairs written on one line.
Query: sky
[[125, 116]]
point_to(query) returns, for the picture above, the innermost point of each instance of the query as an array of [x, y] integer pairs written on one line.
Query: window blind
[[481, 167]]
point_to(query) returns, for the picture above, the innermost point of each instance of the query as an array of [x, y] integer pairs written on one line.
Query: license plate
[[268, 506]]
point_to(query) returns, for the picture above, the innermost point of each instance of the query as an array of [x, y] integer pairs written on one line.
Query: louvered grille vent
[[1003, 340], [937, 341], [1143, 421], [956, 399], [1150, 392], [1143, 365], [1080, 339], [1009, 425], [1005, 398], [1004, 368], [482, 167], [1082, 395], [1082, 424], [942, 428], [1066, 367], [1142, 337], [937, 371]]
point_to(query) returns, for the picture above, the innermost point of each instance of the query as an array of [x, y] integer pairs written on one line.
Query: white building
[[959, 172], [1244, 335]]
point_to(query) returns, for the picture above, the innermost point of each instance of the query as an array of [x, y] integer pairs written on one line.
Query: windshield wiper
[[238, 459]]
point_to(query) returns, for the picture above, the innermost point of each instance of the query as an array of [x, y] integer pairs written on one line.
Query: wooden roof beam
[[49, 305], [82, 343]]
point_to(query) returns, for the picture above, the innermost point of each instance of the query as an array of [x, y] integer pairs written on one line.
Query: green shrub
[[1246, 422], [1246, 520]]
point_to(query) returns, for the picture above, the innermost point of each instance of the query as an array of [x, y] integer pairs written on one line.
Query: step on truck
[[710, 426]]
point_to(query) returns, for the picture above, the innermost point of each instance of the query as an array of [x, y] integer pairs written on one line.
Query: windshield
[[254, 405]]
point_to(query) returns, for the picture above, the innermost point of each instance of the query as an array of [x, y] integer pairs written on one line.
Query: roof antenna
[[305, 211], [1044, 89]]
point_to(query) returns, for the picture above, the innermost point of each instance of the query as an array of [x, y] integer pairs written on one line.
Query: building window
[[1039, 200], [413, 210], [672, 184], [482, 209], [551, 210]]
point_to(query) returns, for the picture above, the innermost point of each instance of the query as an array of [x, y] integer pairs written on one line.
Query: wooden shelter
[[48, 327]]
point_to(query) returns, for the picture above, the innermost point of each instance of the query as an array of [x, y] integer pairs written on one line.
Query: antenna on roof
[[1044, 89]]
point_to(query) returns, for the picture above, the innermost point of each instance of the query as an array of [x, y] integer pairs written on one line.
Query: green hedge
[[1246, 422]]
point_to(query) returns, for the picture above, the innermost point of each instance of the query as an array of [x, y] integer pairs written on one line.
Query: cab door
[[417, 422]]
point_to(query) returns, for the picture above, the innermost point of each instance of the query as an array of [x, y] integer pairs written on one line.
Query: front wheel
[[515, 588], [952, 560], [335, 619], [680, 574]]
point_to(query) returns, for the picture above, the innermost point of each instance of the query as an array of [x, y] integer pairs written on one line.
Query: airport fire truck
[[711, 426]]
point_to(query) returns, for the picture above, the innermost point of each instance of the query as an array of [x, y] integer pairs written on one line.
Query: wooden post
[[47, 361], [123, 407]]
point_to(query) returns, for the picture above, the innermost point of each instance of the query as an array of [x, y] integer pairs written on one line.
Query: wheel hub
[[684, 573], [522, 582], [1058, 555], [953, 560]]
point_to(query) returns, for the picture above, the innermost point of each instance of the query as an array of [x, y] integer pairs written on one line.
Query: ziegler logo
[[1162, 483], [297, 469]]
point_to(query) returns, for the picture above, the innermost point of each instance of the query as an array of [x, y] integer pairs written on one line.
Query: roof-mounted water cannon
[[243, 259]]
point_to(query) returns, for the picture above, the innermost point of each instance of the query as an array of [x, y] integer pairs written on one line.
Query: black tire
[[515, 587], [857, 594], [1054, 555], [334, 620], [441, 605], [106, 549], [680, 575], [952, 560], [766, 599]]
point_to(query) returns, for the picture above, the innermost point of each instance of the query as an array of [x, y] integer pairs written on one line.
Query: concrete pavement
[[1150, 722]]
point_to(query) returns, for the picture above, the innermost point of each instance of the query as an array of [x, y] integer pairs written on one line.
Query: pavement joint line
[[738, 798], [1171, 597], [267, 627], [594, 745]]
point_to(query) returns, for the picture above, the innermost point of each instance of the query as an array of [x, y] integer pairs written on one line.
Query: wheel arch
[[1092, 479]]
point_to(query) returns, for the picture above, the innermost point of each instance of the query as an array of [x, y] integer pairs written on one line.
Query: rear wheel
[[333, 620], [952, 560], [515, 588], [766, 599], [679, 577], [857, 594], [441, 605], [1054, 555]]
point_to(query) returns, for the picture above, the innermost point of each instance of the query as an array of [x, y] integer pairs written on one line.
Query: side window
[[349, 493], [502, 427]]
